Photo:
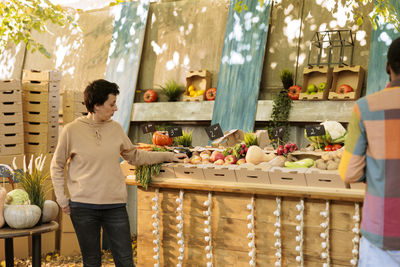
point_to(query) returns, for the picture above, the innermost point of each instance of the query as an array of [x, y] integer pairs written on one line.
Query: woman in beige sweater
[[89, 148]]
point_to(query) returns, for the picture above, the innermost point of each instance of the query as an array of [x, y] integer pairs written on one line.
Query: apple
[[219, 162], [230, 159], [216, 155], [241, 161], [311, 88], [321, 87], [344, 89]]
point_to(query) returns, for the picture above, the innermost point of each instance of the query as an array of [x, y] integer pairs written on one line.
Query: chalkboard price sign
[[214, 131], [175, 131], [315, 130], [278, 132], [148, 128]]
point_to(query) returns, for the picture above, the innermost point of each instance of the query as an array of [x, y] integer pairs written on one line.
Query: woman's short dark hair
[[96, 93], [394, 56]]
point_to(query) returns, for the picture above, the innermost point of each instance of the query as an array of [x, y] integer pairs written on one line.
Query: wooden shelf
[[302, 111], [325, 193]]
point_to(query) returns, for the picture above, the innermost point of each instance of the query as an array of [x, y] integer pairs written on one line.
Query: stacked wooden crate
[[73, 106], [11, 126], [41, 97]]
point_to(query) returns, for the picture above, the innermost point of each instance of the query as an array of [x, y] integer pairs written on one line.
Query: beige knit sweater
[[90, 152]]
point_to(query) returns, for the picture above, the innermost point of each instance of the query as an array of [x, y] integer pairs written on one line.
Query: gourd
[[256, 155], [22, 216], [3, 195], [50, 211], [17, 197], [161, 138]]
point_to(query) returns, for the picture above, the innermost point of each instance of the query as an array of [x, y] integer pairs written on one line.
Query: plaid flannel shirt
[[372, 154]]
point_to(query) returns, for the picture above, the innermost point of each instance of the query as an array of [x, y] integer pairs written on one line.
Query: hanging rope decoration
[[356, 231], [207, 230], [300, 230], [277, 233], [181, 242], [156, 231], [325, 236], [251, 235]]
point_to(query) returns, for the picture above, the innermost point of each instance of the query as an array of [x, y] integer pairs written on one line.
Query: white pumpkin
[[50, 211], [22, 216]]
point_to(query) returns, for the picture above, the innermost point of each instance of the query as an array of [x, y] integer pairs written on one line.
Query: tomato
[[294, 92], [336, 147], [211, 93], [328, 148], [150, 96], [344, 89]]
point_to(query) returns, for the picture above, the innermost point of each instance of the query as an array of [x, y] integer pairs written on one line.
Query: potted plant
[[172, 90], [286, 78], [185, 140]]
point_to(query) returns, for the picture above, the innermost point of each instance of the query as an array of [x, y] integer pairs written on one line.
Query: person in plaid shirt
[[372, 155]]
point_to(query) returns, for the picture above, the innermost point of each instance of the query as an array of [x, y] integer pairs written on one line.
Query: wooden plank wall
[[241, 67], [229, 229], [379, 44]]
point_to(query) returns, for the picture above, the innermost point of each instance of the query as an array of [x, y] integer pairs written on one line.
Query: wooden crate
[[11, 106], [11, 138], [40, 116], [73, 106], [39, 148], [11, 127], [285, 176], [220, 173], [316, 75], [52, 126], [252, 174], [166, 171], [10, 117], [42, 96], [324, 178], [9, 85], [188, 171], [201, 80], [11, 149], [351, 75], [41, 137], [41, 75]]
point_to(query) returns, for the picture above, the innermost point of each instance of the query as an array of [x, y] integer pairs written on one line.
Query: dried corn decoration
[[207, 230], [277, 233], [181, 241], [156, 227], [300, 231], [325, 236], [251, 235]]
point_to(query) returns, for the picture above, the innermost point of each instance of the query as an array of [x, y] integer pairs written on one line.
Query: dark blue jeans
[[115, 222]]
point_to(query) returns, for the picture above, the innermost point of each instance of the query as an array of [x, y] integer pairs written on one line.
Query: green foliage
[[282, 105], [172, 90], [250, 139], [384, 12], [35, 184], [185, 140], [145, 172], [19, 18], [286, 77]]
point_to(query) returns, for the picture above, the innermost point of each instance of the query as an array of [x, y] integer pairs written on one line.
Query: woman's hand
[[179, 157], [66, 210]]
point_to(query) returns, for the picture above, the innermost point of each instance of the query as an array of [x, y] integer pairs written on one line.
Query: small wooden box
[[252, 174], [37, 148], [285, 176], [42, 96], [31, 126], [11, 149], [316, 75], [9, 86], [188, 171], [351, 75], [10, 117], [220, 173], [12, 127], [201, 80], [41, 75], [40, 116], [11, 138], [324, 178], [167, 171]]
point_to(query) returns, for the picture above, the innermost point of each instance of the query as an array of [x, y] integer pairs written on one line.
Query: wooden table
[[9, 233]]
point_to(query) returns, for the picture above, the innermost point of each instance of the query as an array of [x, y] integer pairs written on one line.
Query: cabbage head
[[18, 197]]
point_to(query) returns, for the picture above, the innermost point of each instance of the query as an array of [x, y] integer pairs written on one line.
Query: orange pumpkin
[[161, 138]]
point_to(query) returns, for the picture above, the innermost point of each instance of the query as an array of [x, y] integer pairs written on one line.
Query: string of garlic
[[356, 231], [251, 234], [181, 241], [300, 230], [277, 233], [156, 231], [207, 230], [325, 236]]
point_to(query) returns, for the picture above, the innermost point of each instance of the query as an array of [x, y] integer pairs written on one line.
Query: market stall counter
[[197, 222]]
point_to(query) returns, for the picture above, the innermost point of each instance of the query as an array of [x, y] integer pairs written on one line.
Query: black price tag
[[315, 130], [214, 131], [278, 132], [148, 128], [175, 131]]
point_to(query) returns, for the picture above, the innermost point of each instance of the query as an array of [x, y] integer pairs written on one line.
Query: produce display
[[344, 89], [150, 96], [313, 89]]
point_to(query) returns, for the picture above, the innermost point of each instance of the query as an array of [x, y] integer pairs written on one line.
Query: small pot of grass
[[185, 140], [172, 90]]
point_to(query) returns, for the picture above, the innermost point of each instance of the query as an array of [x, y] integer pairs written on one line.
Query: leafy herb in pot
[[172, 90]]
